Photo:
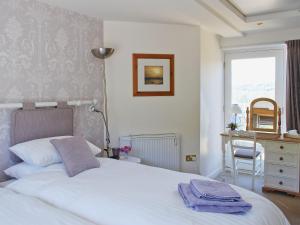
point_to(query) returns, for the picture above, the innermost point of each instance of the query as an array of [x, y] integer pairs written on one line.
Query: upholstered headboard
[[30, 124]]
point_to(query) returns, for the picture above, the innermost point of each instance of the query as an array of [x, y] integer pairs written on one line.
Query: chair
[[245, 151]]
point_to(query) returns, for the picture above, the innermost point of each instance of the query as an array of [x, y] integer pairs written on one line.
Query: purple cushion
[[75, 154]]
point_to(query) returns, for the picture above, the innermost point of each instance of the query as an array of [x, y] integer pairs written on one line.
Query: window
[[253, 74]]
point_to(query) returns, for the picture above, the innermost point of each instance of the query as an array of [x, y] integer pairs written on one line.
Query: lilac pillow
[[75, 154]]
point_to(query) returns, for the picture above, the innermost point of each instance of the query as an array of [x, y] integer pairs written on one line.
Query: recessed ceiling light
[[259, 23]]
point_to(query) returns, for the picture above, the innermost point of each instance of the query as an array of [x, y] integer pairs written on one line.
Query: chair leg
[[253, 181], [234, 171], [253, 174], [261, 165]]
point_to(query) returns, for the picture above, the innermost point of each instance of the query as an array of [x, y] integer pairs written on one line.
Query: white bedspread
[[122, 193], [16, 209]]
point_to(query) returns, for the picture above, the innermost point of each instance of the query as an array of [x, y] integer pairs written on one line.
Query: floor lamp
[[103, 53]]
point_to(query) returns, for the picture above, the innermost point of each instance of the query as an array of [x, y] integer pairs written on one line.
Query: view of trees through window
[[252, 78]]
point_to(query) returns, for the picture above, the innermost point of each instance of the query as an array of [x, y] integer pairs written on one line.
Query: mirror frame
[[275, 122]]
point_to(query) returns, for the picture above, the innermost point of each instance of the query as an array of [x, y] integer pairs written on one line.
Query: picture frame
[[153, 74]]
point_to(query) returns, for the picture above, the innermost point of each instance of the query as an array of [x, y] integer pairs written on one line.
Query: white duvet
[[16, 209], [122, 193]]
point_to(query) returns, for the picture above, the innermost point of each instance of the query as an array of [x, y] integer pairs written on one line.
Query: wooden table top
[[268, 137]]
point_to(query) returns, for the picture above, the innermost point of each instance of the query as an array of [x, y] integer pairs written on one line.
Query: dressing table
[[282, 154], [282, 159]]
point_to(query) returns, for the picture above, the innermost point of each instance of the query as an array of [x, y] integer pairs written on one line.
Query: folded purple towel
[[202, 205], [213, 190]]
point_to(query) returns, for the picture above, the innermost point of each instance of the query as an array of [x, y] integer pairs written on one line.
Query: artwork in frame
[[153, 74]]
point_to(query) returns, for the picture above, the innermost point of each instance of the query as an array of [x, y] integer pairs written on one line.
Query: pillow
[[41, 152], [23, 169], [76, 155]]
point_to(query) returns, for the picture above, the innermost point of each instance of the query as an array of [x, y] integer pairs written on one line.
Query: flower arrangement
[[232, 126], [126, 149]]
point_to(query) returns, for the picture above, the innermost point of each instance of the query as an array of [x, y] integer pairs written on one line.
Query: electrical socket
[[190, 158]]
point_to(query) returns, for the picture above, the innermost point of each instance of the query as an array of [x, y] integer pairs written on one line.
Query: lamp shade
[[236, 109], [102, 53]]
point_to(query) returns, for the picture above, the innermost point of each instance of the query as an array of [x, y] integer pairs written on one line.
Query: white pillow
[[41, 152], [23, 169]]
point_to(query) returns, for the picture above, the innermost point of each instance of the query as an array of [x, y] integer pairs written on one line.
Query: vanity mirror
[[264, 116]]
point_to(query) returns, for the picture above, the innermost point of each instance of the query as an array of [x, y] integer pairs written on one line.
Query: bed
[[123, 193], [16, 209]]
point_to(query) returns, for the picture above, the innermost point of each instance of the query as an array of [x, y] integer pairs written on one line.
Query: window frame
[[279, 52]]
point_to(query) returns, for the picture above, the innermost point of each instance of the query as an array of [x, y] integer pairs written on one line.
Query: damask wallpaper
[[45, 56]]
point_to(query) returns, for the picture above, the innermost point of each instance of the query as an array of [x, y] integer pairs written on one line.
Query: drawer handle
[[280, 183], [281, 171], [281, 158], [281, 147]]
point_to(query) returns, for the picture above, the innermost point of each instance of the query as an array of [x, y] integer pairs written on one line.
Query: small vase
[[126, 155]]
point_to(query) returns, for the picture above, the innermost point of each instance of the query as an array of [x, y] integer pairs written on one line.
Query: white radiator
[[159, 150]]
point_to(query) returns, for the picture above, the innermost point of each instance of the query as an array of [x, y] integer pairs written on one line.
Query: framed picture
[[153, 75]]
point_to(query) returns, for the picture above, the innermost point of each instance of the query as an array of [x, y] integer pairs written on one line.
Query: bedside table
[[131, 159]]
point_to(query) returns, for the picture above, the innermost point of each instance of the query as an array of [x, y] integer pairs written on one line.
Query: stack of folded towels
[[212, 196]]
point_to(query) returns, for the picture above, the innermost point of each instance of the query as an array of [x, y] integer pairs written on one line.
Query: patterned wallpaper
[[45, 56]]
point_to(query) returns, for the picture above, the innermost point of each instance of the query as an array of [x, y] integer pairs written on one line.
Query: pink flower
[[126, 149]]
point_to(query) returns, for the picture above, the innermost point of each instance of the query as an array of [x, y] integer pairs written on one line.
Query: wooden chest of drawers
[[282, 167]]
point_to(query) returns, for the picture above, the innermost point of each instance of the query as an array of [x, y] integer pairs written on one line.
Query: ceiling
[[228, 18], [250, 16], [251, 8], [162, 11]]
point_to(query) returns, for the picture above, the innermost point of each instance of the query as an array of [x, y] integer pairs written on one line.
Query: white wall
[[262, 38], [211, 103], [136, 115]]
